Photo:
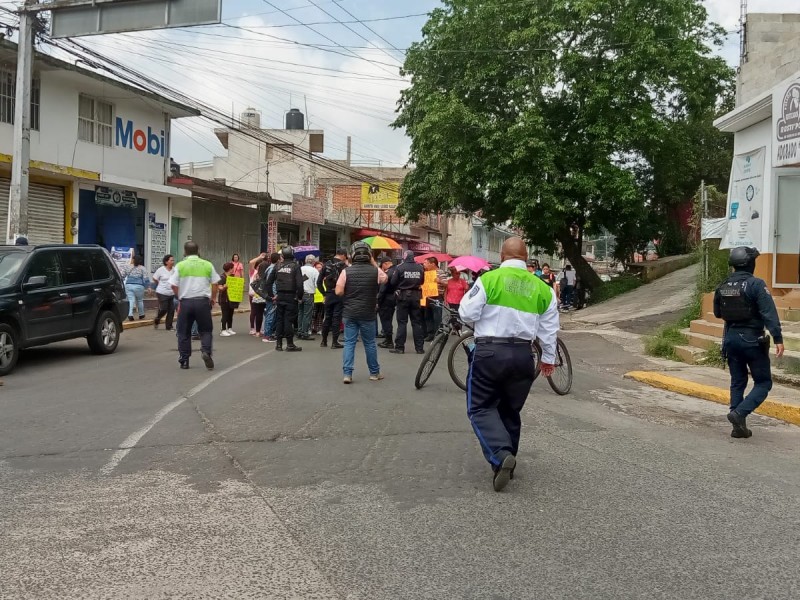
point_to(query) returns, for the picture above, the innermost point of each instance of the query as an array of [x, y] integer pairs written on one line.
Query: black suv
[[58, 292]]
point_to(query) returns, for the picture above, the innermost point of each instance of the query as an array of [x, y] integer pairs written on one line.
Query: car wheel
[[105, 336], [9, 349]]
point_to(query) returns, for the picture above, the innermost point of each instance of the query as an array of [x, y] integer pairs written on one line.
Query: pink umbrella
[[473, 263]]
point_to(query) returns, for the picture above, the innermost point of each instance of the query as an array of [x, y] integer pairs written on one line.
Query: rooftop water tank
[[251, 118], [295, 120]]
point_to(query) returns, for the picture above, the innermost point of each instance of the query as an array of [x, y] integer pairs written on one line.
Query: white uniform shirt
[[162, 277], [503, 322], [310, 275], [190, 286]]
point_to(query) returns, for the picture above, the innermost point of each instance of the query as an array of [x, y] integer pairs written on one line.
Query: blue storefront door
[[110, 225]]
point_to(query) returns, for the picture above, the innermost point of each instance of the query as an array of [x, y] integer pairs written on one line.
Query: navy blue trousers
[[500, 379], [744, 351], [194, 311]]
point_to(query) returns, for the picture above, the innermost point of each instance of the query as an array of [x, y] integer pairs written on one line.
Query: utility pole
[[704, 200], [20, 167]]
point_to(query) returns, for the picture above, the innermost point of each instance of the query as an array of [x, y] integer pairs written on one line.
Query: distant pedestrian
[[310, 275], [319, 304], [257, 303], [407, 282], [386, 303], [508, 309], [567, 286], [358, 286], [326, 283], [286, 283], [164, 293], [238, 267], [227, 307], [745, 304], [194, 282], [136, 280]]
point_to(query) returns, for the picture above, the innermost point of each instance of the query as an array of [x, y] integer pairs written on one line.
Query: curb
[[790, 413], [149, 322]]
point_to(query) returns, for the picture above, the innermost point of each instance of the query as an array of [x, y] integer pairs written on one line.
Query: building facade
[[99, 160]]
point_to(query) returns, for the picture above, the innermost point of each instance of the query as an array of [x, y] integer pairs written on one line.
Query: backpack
[[734, 303]]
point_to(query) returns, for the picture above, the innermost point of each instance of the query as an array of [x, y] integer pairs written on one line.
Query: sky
[[348, 83]]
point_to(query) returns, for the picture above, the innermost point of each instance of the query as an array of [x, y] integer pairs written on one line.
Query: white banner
[[713, 229], [745, 201]]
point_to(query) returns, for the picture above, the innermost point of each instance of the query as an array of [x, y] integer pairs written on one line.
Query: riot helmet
[[287, 252], [743, 257], [361, 252]]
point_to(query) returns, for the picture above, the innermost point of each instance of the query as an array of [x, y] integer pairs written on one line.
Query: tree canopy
[[563, 116]]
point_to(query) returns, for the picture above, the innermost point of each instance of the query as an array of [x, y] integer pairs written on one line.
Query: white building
[[100, 160]]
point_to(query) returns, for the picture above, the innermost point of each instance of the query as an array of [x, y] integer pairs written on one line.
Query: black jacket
[[408, 276], [386, 292], [287, 278], [329, 276], [764, 312], [360, 292]]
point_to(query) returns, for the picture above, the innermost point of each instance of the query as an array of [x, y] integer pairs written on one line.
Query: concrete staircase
[[703, 334]]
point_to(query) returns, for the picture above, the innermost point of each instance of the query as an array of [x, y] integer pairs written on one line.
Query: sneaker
[[141, 317], [336, 346], [252, 332], [225, 333], [348, 379], [386, 345], [207, 360], [231, 332], [420, 351], [293, 348], [397, 351], [738, 434], [376, 377], [268, 340], [503, 475]]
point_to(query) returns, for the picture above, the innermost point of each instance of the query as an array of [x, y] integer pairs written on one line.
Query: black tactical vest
[[286, 279], [361, 292], [734, 303]]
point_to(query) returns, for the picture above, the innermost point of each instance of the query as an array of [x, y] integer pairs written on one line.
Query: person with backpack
[[745, 304], [326, 283]]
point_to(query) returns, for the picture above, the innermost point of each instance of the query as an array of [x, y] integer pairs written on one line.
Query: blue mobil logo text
[[151, 142]]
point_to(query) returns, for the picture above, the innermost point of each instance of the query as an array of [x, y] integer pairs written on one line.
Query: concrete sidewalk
[[712, 384]]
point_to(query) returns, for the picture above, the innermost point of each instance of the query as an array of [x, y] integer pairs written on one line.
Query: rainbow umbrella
[[378, 242]]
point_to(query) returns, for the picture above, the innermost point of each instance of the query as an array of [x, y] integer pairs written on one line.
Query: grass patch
[[663, 343], [713, 358], [616, 287]]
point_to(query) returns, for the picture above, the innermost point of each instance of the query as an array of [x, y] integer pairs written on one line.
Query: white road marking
[[130, 442]]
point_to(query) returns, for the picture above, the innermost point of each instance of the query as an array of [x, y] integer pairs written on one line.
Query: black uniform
[[386, 306], [333, 303], [406, 281], [288, 280], [746, 306]]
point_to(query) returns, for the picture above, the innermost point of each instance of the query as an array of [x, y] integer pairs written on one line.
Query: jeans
[[166, 306], [352, 329], [743, 351], [194, 311], [566, 294], [269, 319], [135, 294], [306, 310], [433, 318]]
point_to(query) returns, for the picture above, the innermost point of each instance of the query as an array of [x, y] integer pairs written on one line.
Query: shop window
[[95, 121], [8, 91]]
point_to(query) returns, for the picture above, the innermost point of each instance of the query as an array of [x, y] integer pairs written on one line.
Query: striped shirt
[[193, 277]]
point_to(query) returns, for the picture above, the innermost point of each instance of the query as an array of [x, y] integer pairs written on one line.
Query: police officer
[[745, 304], [288, 281], [326, 283], [386, 302], [508, 307], [406, 281]]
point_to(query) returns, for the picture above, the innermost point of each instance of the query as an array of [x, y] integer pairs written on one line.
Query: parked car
[[58, 292]]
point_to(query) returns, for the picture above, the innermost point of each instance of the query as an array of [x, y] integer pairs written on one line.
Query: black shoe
[[130, 318], [207, 360], [323, 344], [141, 317], [420, 351], [279, 347], [170, 329], [293, 348], [503, 475], [155, 324], [739, 423], [737, 434], [397, 351], [386, 345], [336, 346], [184, 364]]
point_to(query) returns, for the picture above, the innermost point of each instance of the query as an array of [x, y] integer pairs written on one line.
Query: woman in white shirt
[[166, 297]]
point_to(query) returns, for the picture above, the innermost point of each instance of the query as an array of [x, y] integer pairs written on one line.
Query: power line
[[363, 23]]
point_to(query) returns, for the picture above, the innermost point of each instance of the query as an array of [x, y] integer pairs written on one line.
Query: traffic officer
[[194, 283], [288, 281], [406, 281], [326, 283], [386, 302], [745, 304], [508, 309]]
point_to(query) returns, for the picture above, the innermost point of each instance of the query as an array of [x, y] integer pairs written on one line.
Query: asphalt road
[[124, 477]]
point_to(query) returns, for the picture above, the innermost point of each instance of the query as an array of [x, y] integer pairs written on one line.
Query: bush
[[663, 343], [615, 287]]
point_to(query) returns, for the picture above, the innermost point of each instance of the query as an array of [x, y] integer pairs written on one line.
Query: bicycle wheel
[[459, 357], [561, 379], [537, 359], [430, 359]]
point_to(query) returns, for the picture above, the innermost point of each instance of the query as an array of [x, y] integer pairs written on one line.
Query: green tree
[[551, 113]]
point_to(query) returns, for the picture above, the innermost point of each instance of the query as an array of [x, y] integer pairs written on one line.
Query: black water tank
[[295, 119]]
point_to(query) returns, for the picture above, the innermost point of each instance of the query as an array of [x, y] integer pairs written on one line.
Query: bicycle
[[560, 380], [434, 352]]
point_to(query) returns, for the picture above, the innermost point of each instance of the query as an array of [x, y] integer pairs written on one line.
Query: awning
[[204, 189]]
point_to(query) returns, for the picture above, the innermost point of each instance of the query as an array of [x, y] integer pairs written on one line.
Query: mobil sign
[[145, 141]]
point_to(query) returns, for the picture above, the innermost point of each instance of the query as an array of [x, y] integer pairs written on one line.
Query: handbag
[[259, 286]]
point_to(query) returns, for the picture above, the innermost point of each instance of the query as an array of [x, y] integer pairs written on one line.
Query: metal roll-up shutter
[[5, 189], [45, 212]]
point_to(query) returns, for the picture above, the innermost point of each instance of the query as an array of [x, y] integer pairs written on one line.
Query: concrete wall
[[773, 53]]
